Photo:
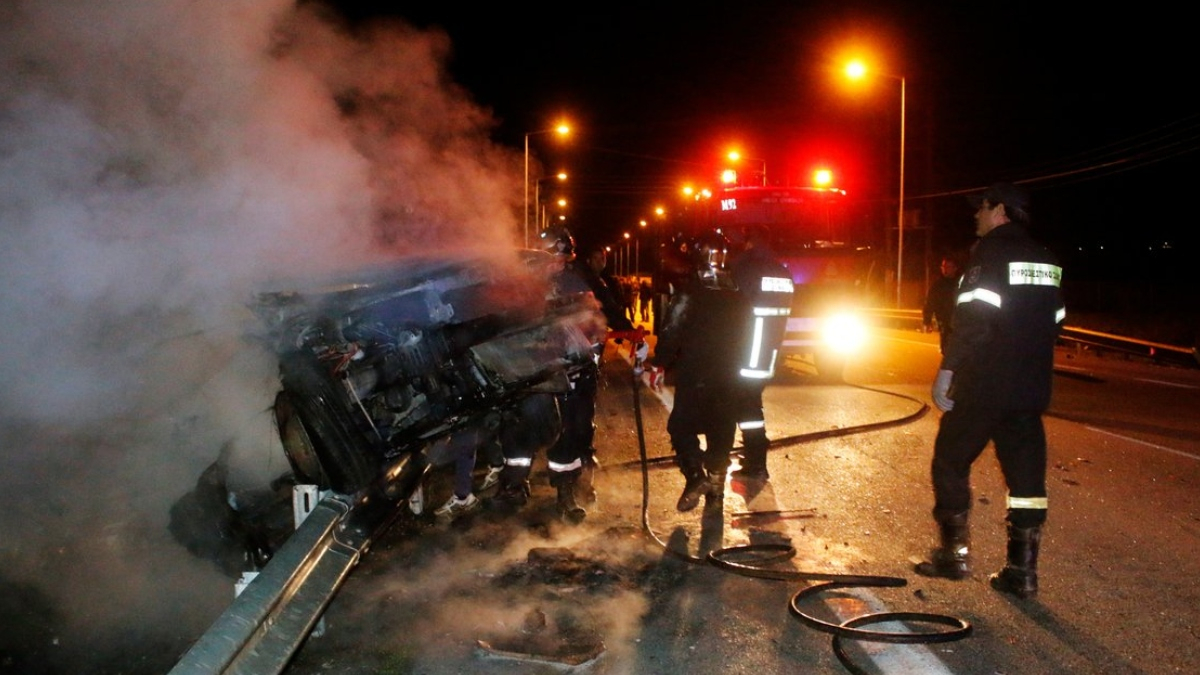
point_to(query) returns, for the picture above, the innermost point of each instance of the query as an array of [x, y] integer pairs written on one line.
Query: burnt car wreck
[[378, 373], [382, 377]]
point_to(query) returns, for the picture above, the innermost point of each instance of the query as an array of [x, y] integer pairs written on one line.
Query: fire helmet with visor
[[557, 240]]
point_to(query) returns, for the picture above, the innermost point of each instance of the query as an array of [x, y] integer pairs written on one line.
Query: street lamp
[[561, 130], [857, 70], [541, 216], [736, 156]]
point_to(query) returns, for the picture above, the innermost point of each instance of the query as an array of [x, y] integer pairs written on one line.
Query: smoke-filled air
[[160, 164]]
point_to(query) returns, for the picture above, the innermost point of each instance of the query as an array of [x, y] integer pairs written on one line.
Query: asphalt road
[[1118, 559]]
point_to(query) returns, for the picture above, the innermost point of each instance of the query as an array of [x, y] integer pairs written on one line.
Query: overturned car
[[379, 370]]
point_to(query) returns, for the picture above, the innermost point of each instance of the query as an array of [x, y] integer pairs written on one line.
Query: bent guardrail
[[1081, 337], [267, 622]]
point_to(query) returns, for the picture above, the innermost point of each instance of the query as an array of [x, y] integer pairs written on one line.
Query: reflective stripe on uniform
[[518, 461], [756, 345], [1034, 274], [982, 294], [1027, 502], [777, 285], [772, 311], [559, 468], [761, 373], [754, 424], [1060, 315], [756, 374]]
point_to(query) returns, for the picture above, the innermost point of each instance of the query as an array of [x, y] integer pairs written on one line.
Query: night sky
[[1091, 109]]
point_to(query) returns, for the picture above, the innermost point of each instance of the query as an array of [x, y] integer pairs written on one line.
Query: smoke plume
[[160, 163]]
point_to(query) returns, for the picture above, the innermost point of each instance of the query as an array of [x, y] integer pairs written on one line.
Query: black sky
[[1092, 108]]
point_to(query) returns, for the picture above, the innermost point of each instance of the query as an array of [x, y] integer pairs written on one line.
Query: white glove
[[941, 390], [641, 351]]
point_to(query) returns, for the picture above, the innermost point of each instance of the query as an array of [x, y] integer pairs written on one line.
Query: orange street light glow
[[856, 69], [822, 177]]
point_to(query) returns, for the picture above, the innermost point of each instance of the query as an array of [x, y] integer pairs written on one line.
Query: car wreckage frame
[[384, 370]]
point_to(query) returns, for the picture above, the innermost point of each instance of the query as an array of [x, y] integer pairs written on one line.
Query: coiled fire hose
[[762, 554]]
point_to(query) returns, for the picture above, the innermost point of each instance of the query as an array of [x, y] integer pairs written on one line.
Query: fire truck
[[812, 232]]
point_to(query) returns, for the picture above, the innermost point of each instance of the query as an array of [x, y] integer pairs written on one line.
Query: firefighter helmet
[[558, 240], [705, 255]]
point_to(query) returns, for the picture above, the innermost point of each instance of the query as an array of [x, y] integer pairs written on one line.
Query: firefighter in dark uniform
[[571, 459], [700, 347], [994, 384], [766, 286]]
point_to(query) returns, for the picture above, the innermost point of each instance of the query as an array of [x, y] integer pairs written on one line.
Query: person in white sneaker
[[457, 506]]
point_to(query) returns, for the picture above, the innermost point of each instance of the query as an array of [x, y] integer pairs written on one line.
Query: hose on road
[[763, 554]]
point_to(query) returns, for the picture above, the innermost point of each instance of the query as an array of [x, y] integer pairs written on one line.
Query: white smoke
[[160, 162]]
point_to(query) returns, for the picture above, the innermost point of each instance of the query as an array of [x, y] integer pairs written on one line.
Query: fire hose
[[955, 627]]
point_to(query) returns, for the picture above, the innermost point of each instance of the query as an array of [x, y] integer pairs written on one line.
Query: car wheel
[[321, 436]]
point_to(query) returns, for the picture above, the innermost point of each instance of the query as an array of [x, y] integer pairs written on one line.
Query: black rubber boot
[[568, 508], [513, 492], [714, 499], [695, 488], [951, 559], [1019, 577], [511, 495]]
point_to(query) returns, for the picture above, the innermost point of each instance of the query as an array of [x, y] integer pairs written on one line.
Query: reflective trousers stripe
[[753, 424], [559, 468], [518, 461], [1027, 503]]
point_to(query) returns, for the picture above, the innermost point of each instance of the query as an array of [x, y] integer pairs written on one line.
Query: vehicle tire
[[297, 443], [321, 437]]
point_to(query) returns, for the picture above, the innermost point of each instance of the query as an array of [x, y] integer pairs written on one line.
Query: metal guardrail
[[268, 621], [1081, 337]]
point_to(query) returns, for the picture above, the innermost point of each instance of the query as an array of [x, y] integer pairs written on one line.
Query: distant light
[[562, 129], [729, 176], [856, 69], [822, 177]]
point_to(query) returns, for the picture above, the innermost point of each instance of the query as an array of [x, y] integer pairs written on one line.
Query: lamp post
[[561, 130], [735, 156], [857, 70], [627, 269]]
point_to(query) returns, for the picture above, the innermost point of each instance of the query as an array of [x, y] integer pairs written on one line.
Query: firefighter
[[700, 346], [571, 459], [767, 288], [994, 384]]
